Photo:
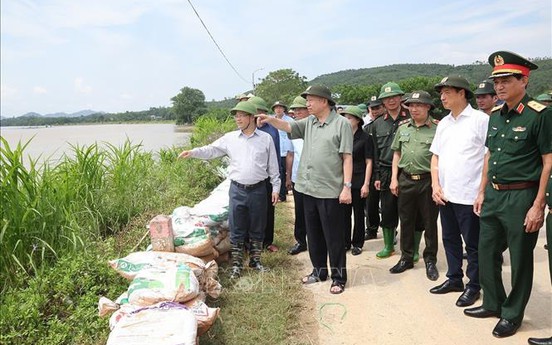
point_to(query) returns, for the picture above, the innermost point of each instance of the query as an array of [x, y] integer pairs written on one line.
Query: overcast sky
[[119, 55]]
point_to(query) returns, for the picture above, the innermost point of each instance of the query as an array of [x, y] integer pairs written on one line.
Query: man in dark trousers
[[411, 182], [253, 159], [458, 151], [324, 177], [383, 131], [511, 199], [373, 201]]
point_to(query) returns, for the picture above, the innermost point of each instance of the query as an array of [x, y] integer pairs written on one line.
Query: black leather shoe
[[431, 271], [447, 287], [401, 266], [505, 328], [356, 250], [467, 298], [540, 341], [480, 313], [370, 234], [296, 249]]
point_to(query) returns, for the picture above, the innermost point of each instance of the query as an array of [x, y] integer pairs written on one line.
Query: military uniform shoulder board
[[536, 106], [498, 107], [404, 121], [434, 121]]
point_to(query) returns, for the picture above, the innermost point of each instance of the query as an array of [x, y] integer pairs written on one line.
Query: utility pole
[[253, 77]]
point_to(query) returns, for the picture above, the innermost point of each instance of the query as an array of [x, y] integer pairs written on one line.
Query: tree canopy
[[188, 105], [281, 85]]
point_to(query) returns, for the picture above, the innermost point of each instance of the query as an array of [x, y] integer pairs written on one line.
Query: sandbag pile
[[165, 300], [201, 231]]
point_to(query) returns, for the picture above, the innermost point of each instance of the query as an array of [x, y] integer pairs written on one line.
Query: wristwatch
[[348, 184]]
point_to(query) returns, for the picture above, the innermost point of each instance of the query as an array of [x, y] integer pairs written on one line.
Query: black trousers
[[326, 237], [389, 207], [299, 229], [247, 213], [356, 208], [269, 229], [283, 190], [417, 210], [372, 208], [457, 222]]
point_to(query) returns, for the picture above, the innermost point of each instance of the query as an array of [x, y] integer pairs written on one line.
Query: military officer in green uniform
[[411, 182], [485, 96], [511, 199], [383, 131]]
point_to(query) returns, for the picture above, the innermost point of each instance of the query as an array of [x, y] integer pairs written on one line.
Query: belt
[[515, 185], [248, 186], [417, 177]]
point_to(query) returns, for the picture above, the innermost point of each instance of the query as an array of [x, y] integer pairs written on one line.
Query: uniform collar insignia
[[520, 108]]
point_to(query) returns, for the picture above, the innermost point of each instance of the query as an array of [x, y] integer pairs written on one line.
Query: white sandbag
[[130, 265], [205, 316], [153, 285], [191, 235], [162, 324], [214, 208]]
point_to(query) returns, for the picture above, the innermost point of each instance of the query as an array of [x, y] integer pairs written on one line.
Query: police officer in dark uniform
[[373, 200], [382, 132], [411, 183], [511, 199]]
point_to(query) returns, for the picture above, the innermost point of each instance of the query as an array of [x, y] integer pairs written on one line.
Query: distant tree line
[[348, 87]]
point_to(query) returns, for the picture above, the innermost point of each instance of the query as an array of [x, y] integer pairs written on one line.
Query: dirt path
[[380, 308]]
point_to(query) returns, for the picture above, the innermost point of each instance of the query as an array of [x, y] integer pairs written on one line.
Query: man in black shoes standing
[[511, 199], [411, 183], [458, 151]]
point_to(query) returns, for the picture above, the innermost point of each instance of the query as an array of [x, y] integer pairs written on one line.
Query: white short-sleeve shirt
[[460, 145]]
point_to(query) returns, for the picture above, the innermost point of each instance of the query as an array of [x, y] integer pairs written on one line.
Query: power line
[[216, 44]]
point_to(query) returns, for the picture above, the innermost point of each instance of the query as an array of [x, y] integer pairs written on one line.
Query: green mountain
[[541, 79]]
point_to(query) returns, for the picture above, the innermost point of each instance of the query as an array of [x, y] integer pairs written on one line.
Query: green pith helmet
[[355, 111], [486, 87], [245, 106], [389, 90], [455, 81], [545, 97], [420, 97], [320, 91], [374, 102], [278, 103], [406, 96], [363, 108], [506, 63], [298, 102], [259, 103]]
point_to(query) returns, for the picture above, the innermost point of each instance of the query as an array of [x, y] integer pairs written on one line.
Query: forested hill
[[540, 81]]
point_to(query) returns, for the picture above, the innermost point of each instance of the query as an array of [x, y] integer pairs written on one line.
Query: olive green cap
[[245, 106], [362, 107], [389, 90], [374, 102], [241, 95], [355, 111], [455, 81], [486, 87], [279, 103], [545, 97], [506, 63], [259, 103], [298, 102], [420, 97], [320, 91]]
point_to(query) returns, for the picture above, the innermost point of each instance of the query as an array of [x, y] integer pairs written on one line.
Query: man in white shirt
[[458, 153]]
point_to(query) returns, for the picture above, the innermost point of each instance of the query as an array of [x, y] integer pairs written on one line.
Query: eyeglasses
[[239, 116]]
